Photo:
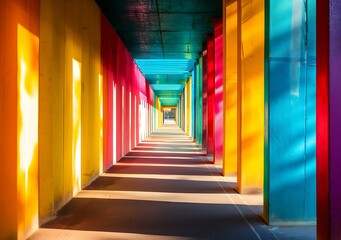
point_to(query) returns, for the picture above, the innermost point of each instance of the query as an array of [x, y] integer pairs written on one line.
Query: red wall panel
[[204, 99], [218, 101], [124, 88], [210, 94], [322, 120]]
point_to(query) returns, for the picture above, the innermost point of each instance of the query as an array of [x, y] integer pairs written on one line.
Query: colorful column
[[204, 99], [193, 121], [19, 96], [199, 112], [289, 190], [210, 95], [251, 95], [218, 94], [328, 120], [230, 63]]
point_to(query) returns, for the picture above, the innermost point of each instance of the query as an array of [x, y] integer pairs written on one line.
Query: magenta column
[[328, 119], [335, 118]]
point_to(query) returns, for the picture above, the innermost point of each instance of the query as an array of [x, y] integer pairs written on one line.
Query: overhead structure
[[173, 30]]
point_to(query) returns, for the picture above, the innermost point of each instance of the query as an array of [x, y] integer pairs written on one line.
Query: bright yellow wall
[[230, 89], [70, 31], [251, 79], [27, 135], [19, 93], [188, 112], [159, 113]]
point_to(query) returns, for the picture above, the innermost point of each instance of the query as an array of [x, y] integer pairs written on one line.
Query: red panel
[[124, 86], [119, 95], [210, 94], [218, 102], [322, 120], [107, 51], [204, 99]]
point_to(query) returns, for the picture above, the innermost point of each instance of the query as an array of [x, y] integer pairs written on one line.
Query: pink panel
[[107, 40], [210, 95], [124, 86], [204, 99], [218, 102], [322, 120]]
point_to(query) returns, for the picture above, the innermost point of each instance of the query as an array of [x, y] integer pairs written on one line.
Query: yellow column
[[251, 91], [230, 88], [70, 102], [159, 113], [188, 88], [27, 135]]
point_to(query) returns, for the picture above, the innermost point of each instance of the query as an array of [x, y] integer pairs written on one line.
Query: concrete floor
[[165, 189]]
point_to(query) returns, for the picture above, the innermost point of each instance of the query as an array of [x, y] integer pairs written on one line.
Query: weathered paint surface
[[230, 88], [290, 113], [70, 121], [127, 98], [335, 119], [218, 94], [199, 107], [19, 93], [251, 96], [210, 95]]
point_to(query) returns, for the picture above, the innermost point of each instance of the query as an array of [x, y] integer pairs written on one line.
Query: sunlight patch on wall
[[100, 101], [76, 115], [28, 96]]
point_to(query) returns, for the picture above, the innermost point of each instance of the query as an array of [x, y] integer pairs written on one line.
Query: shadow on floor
[[191, 220]]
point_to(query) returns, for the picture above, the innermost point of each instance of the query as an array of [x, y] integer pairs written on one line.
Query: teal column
[[193, 106], [155, 120], [290, 78], [199, 126]]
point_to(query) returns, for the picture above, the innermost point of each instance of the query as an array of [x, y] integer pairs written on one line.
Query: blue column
[[290, 78]]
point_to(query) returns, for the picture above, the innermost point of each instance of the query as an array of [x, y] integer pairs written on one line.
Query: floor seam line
[[239, 210]]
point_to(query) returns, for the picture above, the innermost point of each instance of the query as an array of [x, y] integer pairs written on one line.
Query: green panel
[[199, 102]]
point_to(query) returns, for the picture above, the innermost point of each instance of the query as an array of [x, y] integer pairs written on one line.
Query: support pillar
[[289, 194], [230, 87], [251, 96], [328, 115]]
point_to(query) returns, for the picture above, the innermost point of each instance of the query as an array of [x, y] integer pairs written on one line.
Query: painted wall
[[219, 95], [290, 113], [204, 93], [189, 106], [19, 93], [328, 116], [335, 117], [127, 98], [231, 43], [198, 99], [251, 96], [70, 122], [193, 101], [210, 95]]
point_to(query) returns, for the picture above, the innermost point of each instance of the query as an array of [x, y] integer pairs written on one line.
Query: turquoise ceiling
[[174, 30]]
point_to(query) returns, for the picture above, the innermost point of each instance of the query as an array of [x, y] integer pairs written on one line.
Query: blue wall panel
[[290, 159]]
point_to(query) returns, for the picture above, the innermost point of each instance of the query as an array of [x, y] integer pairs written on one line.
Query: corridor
[[164, 189], [195, 119]]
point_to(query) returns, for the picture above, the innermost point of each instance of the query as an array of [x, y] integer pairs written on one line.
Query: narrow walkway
[[164, 189]]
